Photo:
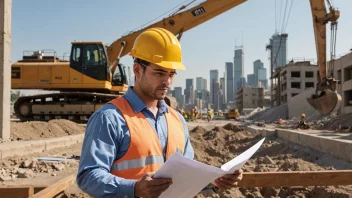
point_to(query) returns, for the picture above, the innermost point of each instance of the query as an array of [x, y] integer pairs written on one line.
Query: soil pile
[[221, 144], [37, 130]]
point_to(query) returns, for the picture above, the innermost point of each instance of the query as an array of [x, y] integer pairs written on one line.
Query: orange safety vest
[[144, 153]]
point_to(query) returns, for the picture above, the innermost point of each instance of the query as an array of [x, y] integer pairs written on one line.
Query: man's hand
[[228, 181], [147, 187]]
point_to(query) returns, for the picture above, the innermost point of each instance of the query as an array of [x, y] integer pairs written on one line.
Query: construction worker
[[195, 114], [302, 123], [130, 137], [191, 114], [209, 115]]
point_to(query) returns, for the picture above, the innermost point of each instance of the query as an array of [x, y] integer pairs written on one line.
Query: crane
[[326, 99], [94, 74]]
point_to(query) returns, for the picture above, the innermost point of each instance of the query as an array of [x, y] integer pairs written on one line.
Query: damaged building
[[248, 99], [343, 73], [291, 80]]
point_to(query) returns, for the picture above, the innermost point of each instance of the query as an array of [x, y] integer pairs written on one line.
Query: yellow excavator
[[94, 74], [326, 99]]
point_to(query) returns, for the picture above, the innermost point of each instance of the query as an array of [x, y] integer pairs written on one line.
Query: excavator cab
[[90, 58]]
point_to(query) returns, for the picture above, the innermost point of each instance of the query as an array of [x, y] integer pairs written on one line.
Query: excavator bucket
[[329, 102]]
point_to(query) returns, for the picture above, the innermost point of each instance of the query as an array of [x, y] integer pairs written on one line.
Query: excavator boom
[[176, 23], [327, 100]]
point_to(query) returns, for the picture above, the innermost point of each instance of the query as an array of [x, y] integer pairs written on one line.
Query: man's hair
[[143, 63]]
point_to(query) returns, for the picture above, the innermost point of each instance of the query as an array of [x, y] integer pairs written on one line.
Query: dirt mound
[[217, 146], [221, 144], [234, 128], [37, 130]]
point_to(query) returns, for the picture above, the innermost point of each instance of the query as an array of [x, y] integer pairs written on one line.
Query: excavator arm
[[326, 99], [176, 23]]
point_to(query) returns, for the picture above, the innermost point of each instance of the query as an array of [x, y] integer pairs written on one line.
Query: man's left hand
[[229, 181]]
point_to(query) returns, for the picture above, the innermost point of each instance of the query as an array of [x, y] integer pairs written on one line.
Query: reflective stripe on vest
[[144, 153], [137, 163]]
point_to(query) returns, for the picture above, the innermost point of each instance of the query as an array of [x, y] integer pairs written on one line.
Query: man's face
[[155, 80]]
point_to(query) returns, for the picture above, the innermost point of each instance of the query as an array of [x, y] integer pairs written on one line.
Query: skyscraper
[[214, 79], [199, 83], [278, 50], [189, 91], [238, 67], [222, 93], [262, 77], [178, 96], [256, 66], [205, 85], [229, 84], [222, 83], [251, 81]]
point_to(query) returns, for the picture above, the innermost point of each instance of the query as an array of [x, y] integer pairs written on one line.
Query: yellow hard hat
[[158, 46], [303, 115]]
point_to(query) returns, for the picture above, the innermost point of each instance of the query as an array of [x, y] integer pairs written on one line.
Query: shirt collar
[[137, 103]]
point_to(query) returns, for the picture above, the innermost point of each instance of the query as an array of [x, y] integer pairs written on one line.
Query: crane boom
[[177, 23], [327, 100]]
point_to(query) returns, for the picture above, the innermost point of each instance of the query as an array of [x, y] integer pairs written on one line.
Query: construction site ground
[[214, 143]]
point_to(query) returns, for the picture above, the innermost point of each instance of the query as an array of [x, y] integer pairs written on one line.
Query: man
[[129, 138], [209, 115], [302, 123]]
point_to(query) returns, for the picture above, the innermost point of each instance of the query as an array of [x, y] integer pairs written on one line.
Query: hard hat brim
[[164, 64], [171, 65]]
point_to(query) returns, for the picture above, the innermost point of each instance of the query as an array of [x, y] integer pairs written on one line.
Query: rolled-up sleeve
[[98, 153], [189, 151]]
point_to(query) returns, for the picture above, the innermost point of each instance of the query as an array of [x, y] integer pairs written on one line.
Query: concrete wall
[[298, 105]]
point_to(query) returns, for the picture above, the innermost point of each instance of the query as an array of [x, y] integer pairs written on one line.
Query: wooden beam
[[296, 178], [19, 191], [55, 188]]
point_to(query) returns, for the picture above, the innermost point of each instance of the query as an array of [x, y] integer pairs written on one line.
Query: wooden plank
[[19, 191], [296, 178], [55, 188]]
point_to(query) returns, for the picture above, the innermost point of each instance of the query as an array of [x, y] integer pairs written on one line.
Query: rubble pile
[[271, 114], [14, 168], [341, 123], [220, 144]]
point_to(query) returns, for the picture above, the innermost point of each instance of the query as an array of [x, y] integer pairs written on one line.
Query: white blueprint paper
[[190, 177]]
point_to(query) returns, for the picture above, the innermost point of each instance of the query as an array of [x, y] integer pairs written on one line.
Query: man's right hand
[[147, 187]]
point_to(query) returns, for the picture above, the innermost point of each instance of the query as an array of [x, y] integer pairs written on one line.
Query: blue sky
[[54, 24]]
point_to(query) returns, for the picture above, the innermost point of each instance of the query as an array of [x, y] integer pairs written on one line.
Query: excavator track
[[75, 106]]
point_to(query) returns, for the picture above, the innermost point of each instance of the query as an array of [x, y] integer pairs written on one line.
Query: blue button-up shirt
[[107, 139]]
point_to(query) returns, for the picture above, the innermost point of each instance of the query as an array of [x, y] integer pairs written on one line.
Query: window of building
[[309, 74], [296, 85], [348, 98], [339, 76], [309, 84], [348, 73], [296, 74]]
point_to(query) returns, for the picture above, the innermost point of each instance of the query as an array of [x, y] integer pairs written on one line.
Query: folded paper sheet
[[190, 177]]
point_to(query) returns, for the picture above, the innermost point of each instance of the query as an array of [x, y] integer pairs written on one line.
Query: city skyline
[[218, 35]]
